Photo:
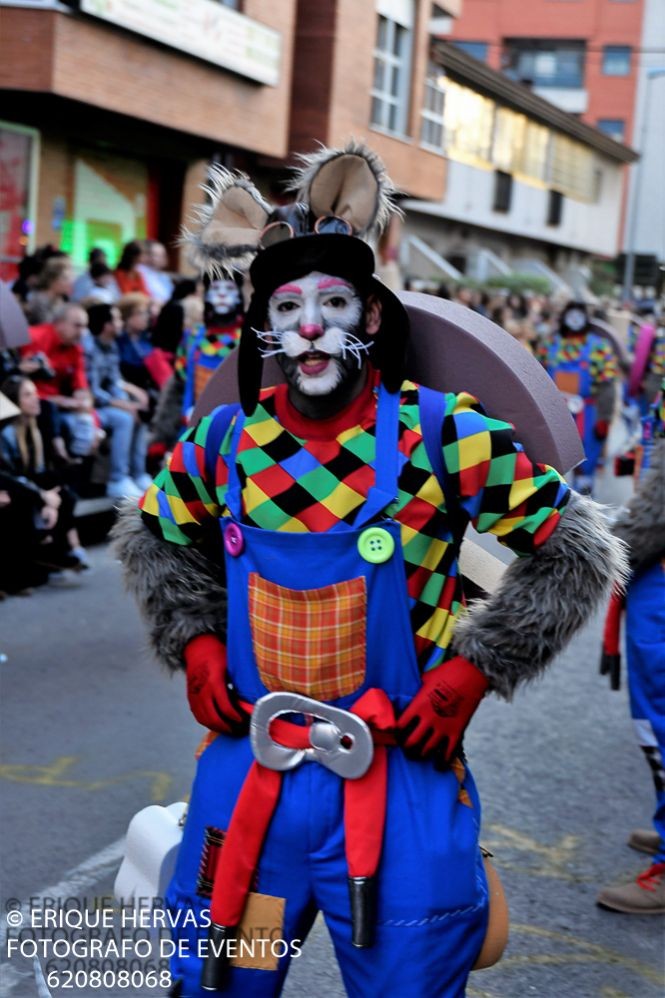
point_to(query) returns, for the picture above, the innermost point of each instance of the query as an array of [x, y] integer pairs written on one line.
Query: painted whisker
[[351, 344], [269, 336]]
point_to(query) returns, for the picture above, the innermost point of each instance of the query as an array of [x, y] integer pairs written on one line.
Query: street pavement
[[93, 730]]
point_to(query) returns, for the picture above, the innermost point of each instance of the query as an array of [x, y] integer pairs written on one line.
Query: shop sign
[[203, 28]]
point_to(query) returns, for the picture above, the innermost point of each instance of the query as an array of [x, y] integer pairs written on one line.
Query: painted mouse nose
[[311, 331]]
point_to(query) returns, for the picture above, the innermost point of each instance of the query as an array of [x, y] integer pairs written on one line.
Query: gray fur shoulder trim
[[179, 591], [166, 424], [642, 523], [543, 599]]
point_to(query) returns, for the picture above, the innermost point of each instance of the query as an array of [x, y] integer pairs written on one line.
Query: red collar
[[359, 412]]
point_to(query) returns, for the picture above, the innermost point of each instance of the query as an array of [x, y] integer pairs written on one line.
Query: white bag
[[153, 840]]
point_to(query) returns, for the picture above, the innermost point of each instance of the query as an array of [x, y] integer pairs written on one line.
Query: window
[[392, 66], [18, 159], [431, 129], [509, 139], [545, 63], [533, 161], [572, 168], [555, 208], [468, 118], [614, 127], [477, 49], [503, 189], [616, 60]]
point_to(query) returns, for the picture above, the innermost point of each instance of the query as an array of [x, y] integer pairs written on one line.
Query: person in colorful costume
[[648, 367], [306, 546], [641, 525], [198, 356], [584, 367]]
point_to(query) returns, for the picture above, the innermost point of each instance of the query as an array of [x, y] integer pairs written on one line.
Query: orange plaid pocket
[[310, 641]]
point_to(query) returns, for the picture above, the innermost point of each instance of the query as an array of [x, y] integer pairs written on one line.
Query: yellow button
[[376, 545]]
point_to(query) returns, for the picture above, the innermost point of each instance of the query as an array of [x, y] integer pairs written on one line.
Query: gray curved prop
[[13, 324], [454, 349]]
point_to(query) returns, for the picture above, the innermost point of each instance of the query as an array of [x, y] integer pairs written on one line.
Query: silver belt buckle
[[339, 740]]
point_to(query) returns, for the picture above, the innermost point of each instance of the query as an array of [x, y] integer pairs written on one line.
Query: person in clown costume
[[584, 367], [641, 525], [298, 558], [201, 351]]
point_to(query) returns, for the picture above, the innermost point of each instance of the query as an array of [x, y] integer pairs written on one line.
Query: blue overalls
[[573, 379], [645, 655], [432, 903]]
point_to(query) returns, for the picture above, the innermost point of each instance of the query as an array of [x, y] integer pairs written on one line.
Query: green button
[[376, 545]]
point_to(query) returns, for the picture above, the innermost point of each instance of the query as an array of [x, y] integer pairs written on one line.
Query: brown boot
[[645, 840], [644, 896]]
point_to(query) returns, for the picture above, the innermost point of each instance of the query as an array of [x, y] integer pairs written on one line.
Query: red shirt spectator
[[128, 277], [59, 341]]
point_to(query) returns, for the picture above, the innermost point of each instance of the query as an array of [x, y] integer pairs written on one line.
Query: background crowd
[[118, 355]]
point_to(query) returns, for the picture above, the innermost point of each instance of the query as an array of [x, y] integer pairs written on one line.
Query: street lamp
[[629, 265]]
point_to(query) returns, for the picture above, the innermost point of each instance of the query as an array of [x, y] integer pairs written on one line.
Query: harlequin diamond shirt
[[306, 475], [558, 349], [218, 343]]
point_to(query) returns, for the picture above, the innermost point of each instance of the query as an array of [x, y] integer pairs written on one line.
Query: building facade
[[530, 188], [112, 109], [591, 58]]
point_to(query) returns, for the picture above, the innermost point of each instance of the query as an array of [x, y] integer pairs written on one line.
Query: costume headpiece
[[575, 317], [342, 198]]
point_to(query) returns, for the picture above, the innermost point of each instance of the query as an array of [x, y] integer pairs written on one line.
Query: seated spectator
[[20, 505], [18, 537], [97, 281], [29, 456], [59, 343], [152, 268], [140, 362], [29, 269], [183, 311], [53, 288], [129, 278], [119, 404]]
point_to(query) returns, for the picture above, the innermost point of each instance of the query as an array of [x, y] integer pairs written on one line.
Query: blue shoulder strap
[[190, 369], [432, 411], [220, 420]]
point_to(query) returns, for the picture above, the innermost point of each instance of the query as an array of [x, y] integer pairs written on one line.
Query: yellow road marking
[[55, 774], [593, 954], [553, 861]]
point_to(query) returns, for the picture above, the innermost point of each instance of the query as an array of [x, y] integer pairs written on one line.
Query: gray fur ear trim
[[351, 182], [228, 227], [642, 523], [179, 592], [543, 599]]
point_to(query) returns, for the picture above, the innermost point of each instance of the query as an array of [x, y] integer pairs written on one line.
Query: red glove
[[601, 429], [433, 724], [213, 699]]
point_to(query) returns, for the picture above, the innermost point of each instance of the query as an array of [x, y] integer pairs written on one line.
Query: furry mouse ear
[[228, 226], [351, 183]]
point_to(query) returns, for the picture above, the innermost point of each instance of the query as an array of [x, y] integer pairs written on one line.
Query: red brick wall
[[598, 22], [86, 60], [331, 98]]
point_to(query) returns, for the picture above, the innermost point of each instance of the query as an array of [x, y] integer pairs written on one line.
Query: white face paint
[[224, 296], [314, 322], [575, 320]]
